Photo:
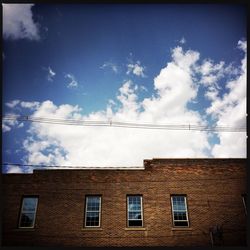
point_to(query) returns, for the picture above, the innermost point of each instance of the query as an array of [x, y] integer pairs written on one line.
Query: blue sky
[[117, 61]]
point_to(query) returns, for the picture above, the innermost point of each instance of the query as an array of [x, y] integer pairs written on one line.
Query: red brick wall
[[213, 188]]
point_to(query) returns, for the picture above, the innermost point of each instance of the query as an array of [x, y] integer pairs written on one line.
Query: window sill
[[181, 229], [25, 229], [91, 229], [135, 229]]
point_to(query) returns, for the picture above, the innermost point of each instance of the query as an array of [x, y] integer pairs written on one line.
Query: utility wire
[[110, 123]]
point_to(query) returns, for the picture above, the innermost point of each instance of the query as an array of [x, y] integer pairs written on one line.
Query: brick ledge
[[181, 229], [135, 229], [92, 229]]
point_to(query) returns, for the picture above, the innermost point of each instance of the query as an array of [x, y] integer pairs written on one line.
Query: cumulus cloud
[[143, 88], [7, 125], [36, 151], [110, 65], [17, 104], [12, 104], [73, 82], [231, 109], [29, 105], [18, 22], [182, 41], [136, 69], [51, 74], [114, 147], [242, 44], [212, 74], [176, 85], [20, 125], [12, 169]]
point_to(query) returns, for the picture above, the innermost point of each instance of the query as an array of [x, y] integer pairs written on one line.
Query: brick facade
[[213, 189]]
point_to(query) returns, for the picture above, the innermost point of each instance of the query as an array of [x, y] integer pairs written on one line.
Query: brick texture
[[213, 188]]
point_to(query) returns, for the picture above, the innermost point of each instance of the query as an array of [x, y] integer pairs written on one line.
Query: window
[[179, 211], [28, 212], [134, 203], [93, 211]]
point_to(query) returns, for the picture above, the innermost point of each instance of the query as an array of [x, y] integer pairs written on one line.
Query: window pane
[[95, 199], [179, 207], [179, 211], [135, 211], [134, 207], [93, 203], [135, 223], [92, 219], [92, 207], [27, 214], [134, 215], [27, 220], [135, 200], [92, 213], [180, 216], [29, 204], [181, 223]]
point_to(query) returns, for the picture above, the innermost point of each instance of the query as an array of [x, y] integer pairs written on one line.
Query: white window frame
[[99, 211], [142, 219], [28, 212], [186, 210]]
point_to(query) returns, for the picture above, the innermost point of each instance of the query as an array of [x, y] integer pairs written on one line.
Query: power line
[[111, 123]]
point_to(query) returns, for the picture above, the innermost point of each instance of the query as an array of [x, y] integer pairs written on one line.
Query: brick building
[[168, 202]]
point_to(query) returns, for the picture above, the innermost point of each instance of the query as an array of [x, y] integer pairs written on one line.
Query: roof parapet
[[149, 163]]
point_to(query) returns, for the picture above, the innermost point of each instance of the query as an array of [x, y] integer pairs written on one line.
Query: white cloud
[[175, 86], [51, 74], [12, 104], [29, 105], [242, 45], [36, 154], [111, 102], [182, 41], [185, 60], [7, 125], [231, 109], [18, 22], [110, 65], [212, 73], [114, 147], [5, 128], [17, 104], [143, 88], [73, 82], [20, 125], [12, 169], [136, 69]]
